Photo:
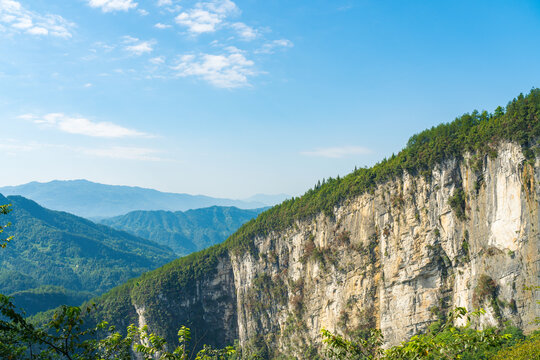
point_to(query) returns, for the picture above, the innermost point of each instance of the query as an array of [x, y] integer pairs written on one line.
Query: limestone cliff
[[396, 258], [400, 257]]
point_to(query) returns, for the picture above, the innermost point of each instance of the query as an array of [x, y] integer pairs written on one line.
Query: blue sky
[[235, 98]]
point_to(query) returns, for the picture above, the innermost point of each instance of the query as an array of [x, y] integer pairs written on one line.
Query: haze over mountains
[[58, 258], [96, 201]]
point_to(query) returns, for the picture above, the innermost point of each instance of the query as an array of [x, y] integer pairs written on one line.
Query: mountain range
[[58, 258], [184, 232], [68, 254], [97, 201]]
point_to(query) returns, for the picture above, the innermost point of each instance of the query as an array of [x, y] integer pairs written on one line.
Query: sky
[[230, 99]]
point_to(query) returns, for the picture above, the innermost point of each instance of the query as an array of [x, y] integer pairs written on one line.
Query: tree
[[65, 336], [4, 210], [440, 343]]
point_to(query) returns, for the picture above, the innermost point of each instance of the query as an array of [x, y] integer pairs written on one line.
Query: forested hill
[[184, 232], [56, 257], [93, 200], [361, 250]]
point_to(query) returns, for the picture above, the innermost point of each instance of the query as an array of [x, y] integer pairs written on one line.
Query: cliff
[[400, 257], [450, 221]]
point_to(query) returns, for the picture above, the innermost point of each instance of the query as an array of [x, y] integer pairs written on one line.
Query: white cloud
[[162, 26], [139, 47], [15, 18], [164, 2], [157, 60], [83, 126], [37, 30], [246, 32], [112, 5], [129, 39], [124, 153], [205, 17], [269, 48], [224, 71], [338, 152], [143, 12], [87, 85]]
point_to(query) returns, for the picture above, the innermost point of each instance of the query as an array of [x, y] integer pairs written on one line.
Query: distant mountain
[[93, 200], [56, 257], [184, 232]]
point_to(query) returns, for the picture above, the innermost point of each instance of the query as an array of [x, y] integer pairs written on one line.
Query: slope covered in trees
[[477, 133], [56, 258], [184, 232]]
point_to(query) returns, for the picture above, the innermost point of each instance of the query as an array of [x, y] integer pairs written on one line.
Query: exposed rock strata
[[397, 259]]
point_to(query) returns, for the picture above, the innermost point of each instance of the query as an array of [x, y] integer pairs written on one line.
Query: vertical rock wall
[[400, 258]]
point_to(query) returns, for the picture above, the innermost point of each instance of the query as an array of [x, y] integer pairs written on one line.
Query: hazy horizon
[[235, 98]]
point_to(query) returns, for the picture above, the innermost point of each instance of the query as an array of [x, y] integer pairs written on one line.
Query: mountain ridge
[[58, 249], [94, 200], [184, 231], [394, 246]]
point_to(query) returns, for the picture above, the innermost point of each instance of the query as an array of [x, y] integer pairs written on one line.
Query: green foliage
[[71, 257], [446, 342], [184, 232], [457, 203], [64, 337], [264, 291], [475, 133], [47, 297], [366, 348], [528, 349], [4, 210], [485, 289]]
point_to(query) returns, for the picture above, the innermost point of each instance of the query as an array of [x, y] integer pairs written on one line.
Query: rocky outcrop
[[397, 258]]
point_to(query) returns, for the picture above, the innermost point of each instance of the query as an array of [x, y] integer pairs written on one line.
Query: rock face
[[397, 259]]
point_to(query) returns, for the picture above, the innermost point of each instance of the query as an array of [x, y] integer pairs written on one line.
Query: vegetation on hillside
[[446, 342], [72, 257], [478, 133], [184, 232], [65, 337]]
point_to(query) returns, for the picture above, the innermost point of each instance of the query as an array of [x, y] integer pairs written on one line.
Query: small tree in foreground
[[65, 336]]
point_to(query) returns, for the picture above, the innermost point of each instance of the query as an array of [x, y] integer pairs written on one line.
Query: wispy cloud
[[113, 5], [17, 148], [164, 2], [337, 152], [206, 17], [157, 60], [125, 153], [82, 126], [162, 26], [16, 19], [224, 71], [270, 47], [138, 47], [143, 12], [246, 32], [13, 147]]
